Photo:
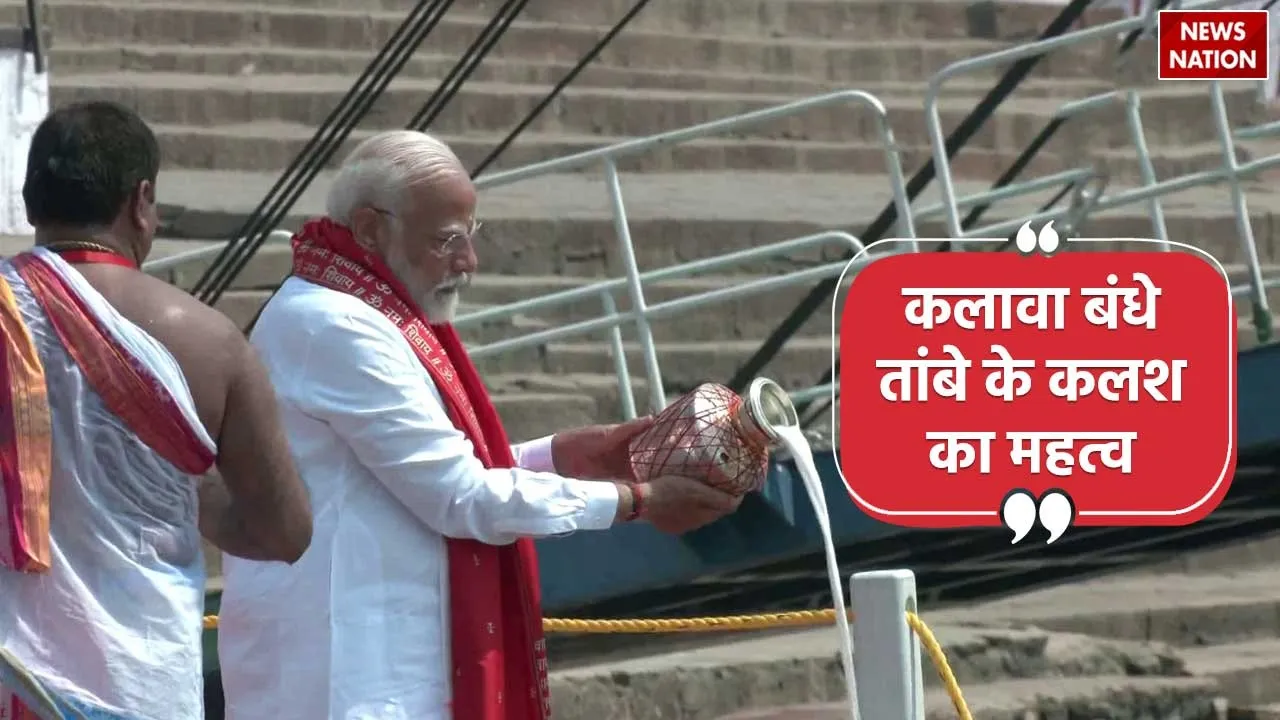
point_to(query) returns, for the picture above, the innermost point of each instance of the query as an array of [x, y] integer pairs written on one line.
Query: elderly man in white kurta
[[419, 596]]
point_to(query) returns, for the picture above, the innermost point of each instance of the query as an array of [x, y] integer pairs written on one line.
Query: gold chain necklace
[[80, 245]]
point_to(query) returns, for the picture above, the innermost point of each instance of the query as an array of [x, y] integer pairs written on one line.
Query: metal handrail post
[[657, 393], [933, 117], [1146, 168], [1262, 321], [626, 393]]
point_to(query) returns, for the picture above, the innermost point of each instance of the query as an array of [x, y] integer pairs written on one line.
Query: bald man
[[419, 597]]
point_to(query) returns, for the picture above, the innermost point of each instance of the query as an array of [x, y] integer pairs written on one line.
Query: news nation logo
[[1213, 44]]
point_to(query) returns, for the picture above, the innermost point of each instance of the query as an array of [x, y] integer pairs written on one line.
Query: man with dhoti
[[419, 596], [118, 393]]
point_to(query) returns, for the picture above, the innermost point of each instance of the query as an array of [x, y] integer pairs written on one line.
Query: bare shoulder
[[206, 344], [183, 323]]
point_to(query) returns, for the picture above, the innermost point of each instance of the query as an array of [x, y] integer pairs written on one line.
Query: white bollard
[[886, 653]]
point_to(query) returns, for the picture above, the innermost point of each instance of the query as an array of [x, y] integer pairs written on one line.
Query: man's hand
[[597, 452], [677, 505]]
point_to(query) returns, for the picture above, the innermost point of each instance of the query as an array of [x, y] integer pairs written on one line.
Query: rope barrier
[[759, 621]]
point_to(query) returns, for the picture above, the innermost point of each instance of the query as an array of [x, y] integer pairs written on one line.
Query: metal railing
[[613, 319], [368, 87], [1149, 192], [876, 230], [640, 312], [1072, 182], [608, 158], [1151, 189], [187, 257]]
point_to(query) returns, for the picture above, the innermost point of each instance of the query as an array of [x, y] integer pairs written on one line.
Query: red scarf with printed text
[[499, 654]]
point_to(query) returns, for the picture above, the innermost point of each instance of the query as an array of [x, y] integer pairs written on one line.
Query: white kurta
[[114, 627], [359, 627]]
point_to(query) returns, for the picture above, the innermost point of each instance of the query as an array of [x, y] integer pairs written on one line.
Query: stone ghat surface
[[1179, 641]]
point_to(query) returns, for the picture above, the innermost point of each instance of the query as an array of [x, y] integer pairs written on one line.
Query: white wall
[[24, 101]]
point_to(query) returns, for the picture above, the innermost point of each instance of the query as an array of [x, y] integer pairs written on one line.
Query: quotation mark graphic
[[1046, 241], [1019, 512]]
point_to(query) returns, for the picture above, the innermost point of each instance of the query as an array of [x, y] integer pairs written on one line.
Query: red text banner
[[1091, 388], [1213, 44]]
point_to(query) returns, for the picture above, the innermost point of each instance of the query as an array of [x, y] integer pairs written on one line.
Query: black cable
[[300, 162], [1008, 176], [459, 74], [889, 215], [337, 127], [1011, 173], [467, 64], [569, 77], [1045, 135], [33, 21], [1136, 33], [334, 131], [807, 410]]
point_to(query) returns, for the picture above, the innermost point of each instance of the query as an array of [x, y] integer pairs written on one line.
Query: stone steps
[[1256, 712], [371, 22], [1096, 698], [745, 317], [1225, 624], [86, 22], [251, 60], [1168, 645], [748, 317], [561, 224], [1173, 115], [1246, 671], [1004, 673], [272, 146], [998, 668], [683, 364]]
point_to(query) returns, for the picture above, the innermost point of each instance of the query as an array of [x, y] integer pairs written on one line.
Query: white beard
[[439, 305], [438, 302]]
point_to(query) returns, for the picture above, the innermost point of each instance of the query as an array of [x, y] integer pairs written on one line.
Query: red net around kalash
[[707, 434]]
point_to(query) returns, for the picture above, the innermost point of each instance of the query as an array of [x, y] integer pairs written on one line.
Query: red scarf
[[499, 655]]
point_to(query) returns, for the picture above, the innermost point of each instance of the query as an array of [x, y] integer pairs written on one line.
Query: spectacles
[[446, 245]]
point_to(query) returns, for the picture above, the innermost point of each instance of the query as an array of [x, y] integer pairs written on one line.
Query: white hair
[[380, 170]]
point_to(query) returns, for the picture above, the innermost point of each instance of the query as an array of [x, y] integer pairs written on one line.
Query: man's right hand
[[677, 505]]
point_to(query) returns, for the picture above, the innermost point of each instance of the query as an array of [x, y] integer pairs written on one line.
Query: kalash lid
[[770, 406]]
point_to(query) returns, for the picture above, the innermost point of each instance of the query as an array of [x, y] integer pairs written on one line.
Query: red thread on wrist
[[637, 502]]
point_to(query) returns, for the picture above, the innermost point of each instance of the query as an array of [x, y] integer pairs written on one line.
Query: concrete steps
[[1097, 698], [556, 234], [564, 38], [235, 88], [268, 145], [742, 319], [1195, 638], [1173, 116], [347, 23], [1004, 672], [253, 60], [240, 85], [561, 224]]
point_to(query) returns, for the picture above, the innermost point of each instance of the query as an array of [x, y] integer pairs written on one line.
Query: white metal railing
[[612, 320], [1089, 184], [607, 157], [169, 262], [640, 313], [1151, 189]]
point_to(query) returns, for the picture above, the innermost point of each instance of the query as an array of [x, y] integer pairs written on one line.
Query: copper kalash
[[712, 434]]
